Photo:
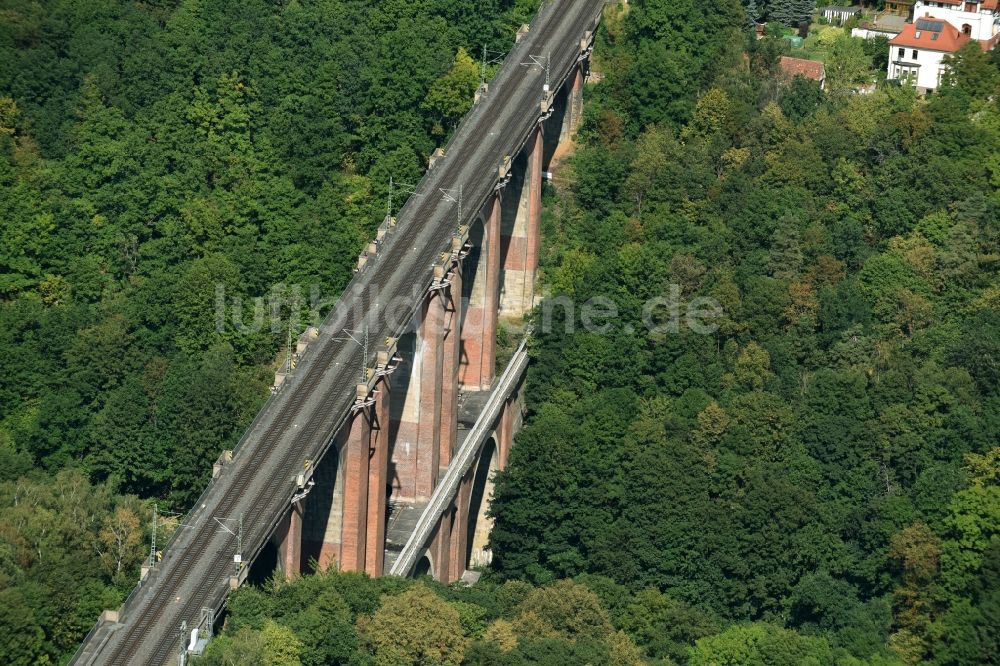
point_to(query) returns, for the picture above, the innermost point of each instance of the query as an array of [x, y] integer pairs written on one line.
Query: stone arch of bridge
[[425, 567]]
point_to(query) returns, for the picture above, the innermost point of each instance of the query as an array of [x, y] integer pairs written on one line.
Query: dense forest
[[336, 618], [823, 465], [814, 482], [150, 151]]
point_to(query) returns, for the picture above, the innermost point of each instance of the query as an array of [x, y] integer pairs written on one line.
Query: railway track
[[310, 409]]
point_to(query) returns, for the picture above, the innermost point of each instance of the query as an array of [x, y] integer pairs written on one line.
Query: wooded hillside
[[825, 460], [151, 152]]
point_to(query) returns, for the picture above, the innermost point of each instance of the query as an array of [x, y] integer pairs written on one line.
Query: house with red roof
[[979, 19], [916, 55], [811, 69]]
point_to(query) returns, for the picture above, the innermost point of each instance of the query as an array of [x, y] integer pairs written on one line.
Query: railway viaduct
[[376, 452]]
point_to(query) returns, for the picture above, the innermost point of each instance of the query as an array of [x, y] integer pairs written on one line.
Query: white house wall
[[983, 23], [927, 66]]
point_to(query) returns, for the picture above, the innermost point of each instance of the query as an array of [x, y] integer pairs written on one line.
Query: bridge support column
[[534, 230], [479, 328], [353, 540], [575, 110], [491, 306], [441, 547], [460, 531], [378, 474], [431, 375], [522, 230], [452, 347], [290, 548], [323, 520]]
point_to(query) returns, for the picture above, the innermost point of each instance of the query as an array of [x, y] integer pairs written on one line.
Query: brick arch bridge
[[376, 452]]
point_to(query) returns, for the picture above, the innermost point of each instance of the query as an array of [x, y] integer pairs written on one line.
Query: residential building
[[979, 19], [811, 69], [916, 54], [839, 15]]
